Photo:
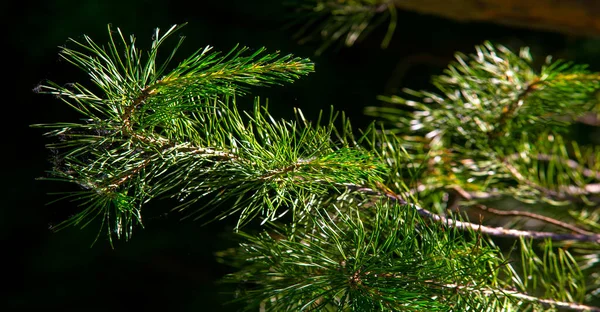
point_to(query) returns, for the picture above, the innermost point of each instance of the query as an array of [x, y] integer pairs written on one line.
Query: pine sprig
[[206, 73], [499, 130], [488, 100], [142, 123], [485, 93], [375, 258], [270, 164]]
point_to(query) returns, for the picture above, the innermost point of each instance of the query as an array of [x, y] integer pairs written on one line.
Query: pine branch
[[491, 231], [469, 196], [533, 216], [359, 237], [521, 296], [146, 128], [502, 232], [325, 267], [480, 140], [489, 100], [379, 258]]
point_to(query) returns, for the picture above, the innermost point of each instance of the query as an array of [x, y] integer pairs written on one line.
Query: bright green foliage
[[377, 220], [147, 132], [554, 271], [497, 129], [265, 165], [369, 257]]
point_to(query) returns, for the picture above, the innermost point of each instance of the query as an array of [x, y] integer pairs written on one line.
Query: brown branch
[[206, 151], [502, 232], [518, 295], [590, 119], [290, 168], [578, 17], [548, 302], [533, 216], [421, 188], [528, 214], [124, 178], [128, 112], [504, 292], [492, 231]]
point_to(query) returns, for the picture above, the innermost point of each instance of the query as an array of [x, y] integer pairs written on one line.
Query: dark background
[[169, 265]]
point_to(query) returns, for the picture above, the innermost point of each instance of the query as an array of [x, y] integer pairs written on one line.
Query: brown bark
[[576, 17]]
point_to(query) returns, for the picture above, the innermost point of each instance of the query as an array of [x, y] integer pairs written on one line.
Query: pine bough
[[374, 221]]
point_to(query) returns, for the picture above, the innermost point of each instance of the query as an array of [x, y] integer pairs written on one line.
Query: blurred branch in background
[[576, 17]]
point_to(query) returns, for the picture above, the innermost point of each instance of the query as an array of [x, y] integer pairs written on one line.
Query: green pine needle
[[147, 131]]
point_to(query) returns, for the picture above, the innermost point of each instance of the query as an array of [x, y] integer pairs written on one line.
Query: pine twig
[[533, 216], [529, 298], [467, 195], [492, 231], [502, 232]]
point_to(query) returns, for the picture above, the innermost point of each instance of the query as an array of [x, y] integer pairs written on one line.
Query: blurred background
[[170, 264]]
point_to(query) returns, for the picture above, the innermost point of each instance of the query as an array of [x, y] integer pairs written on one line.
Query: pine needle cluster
[[377, 218]]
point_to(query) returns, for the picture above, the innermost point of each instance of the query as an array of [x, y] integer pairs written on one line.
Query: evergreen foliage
[[377, 219]]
